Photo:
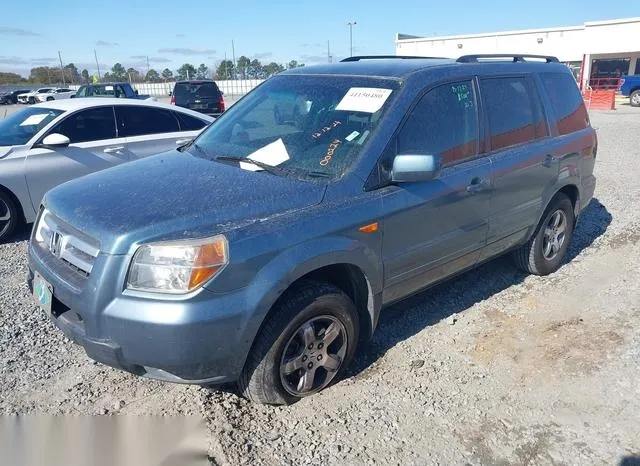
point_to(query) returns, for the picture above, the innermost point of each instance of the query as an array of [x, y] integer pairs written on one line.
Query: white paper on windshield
[[352, 136], [34, 119], [364, 99], [272, 154], [108, 88]]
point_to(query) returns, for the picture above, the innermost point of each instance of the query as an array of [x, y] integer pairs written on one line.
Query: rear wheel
[[8, 216], [544, 252], [634, 98], [49, 99], [303, 346]]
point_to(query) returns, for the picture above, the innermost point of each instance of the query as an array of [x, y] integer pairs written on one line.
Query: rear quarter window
[[566, 102], [189, 123]]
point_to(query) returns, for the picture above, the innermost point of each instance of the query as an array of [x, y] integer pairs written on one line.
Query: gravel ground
[[494, 367]]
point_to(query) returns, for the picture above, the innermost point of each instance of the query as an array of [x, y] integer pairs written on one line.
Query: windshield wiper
[[275, 170]]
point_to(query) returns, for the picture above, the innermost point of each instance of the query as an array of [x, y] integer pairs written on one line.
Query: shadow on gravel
[[408, 317], [21, 233]]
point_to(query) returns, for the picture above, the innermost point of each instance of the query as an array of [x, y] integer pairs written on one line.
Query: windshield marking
[[330, 151], [326, 129], [272, 154]]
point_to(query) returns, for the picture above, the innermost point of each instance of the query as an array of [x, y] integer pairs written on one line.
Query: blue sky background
[[171, 33]]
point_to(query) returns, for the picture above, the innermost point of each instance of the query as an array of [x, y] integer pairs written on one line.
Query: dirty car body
[[360, 206]]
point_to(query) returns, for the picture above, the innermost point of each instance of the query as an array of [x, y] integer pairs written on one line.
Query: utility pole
[[351, 24], [97, 64], [148, 67], [233, 52], [61, 68], [328, 52]]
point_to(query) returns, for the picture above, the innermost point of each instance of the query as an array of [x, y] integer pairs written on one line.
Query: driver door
[[94, 147], [443, 224]]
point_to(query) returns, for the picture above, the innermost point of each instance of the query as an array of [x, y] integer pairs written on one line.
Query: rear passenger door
[[523, 167], [149, 130]]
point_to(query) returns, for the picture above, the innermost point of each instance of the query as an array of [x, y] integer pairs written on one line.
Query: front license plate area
[[43, 293]]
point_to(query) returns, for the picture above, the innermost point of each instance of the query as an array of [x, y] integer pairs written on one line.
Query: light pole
[[351, 24]]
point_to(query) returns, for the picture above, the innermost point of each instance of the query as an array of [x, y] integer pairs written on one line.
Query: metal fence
[[233, 88]]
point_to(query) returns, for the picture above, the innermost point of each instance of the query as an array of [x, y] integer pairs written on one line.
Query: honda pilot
[[263, 251]]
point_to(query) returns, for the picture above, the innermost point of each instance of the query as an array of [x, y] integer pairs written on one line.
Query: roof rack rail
[[514, 57], [374, 57]]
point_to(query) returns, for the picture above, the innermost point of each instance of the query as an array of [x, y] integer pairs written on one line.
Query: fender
[[283, 270], [561, 183]]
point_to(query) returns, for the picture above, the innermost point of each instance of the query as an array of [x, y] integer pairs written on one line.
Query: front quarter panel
[[12, 179]]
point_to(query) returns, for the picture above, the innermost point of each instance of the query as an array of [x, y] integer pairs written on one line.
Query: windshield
[[316, 124], [21, 126], [44, 90]]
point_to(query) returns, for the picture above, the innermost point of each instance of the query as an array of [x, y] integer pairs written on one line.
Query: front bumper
[[195, 339]]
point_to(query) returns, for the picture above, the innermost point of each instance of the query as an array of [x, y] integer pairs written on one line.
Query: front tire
[[303, 346], [634, 98], [544, 252], [49, 99], [8, 216]]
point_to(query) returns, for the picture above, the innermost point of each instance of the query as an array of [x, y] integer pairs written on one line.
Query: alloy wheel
[[554, 235], [5, 217]]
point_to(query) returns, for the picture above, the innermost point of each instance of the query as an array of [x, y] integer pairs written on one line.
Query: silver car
[[50, 143]]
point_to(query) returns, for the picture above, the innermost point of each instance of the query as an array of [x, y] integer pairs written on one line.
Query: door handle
[[478, 185], [549, 160], [183, 141], [111, 150]]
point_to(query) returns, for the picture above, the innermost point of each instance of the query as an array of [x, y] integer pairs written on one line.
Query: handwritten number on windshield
[[330, 151]]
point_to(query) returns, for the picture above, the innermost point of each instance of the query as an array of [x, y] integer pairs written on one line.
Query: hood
[[5, 150], [174, 195]]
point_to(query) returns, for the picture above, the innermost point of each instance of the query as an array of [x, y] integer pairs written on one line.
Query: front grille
[[73, 248]]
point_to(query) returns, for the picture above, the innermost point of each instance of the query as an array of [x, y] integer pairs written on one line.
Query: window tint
[[566, 102], [136, 121], [189, 123], [196, 90], [93, 124], [444, 122], [510, 111], [120, 92]]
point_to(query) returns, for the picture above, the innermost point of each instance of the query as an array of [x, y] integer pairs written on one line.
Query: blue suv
[[263, 251]]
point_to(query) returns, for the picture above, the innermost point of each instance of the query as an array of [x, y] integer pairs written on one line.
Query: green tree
[[202, 72], [134, 75], [71, 73], [243, 66], [10, 78], [152, 76], [118, 73], [273, 68], [256, 70], [187, 71], [167, 74], [85, 75], [225, 70]]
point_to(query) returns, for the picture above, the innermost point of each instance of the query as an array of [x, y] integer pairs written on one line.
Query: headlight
[[177, 266]]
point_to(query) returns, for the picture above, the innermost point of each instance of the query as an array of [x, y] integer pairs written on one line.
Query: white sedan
[[55, 94], [48, 144]]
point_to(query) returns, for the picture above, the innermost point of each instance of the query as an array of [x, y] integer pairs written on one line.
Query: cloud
[[304, 46], [17, 32], [104, 43], [151, 59], [314, 58], [13, 61], [42, 61], [180, 35], [262, 55], [187, 51]]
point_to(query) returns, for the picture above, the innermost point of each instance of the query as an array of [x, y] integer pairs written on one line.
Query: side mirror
[[170, 93], [408, 168], [56, 140], [221, 93], [136, 92]]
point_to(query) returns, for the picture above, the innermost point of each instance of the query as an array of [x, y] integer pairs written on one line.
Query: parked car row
[[263, 252]]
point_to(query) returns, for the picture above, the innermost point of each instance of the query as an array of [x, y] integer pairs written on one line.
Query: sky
[[171, 33]]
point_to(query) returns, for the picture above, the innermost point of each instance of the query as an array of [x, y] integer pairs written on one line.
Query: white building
[[595, 49]]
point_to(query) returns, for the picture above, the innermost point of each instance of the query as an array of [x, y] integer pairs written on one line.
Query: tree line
[[244, 68]]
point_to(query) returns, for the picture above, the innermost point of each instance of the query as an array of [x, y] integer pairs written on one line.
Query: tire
[[49, 99], [8, 216], [634, 98], [539, 255], [286, 354]]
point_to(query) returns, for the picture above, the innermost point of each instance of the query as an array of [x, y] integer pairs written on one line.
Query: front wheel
[[544, 252], [49, 99], [634, 98], [303, 345]]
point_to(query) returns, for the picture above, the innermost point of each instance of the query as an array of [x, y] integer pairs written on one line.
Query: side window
[[136, 121], [120, 92], [566, 102], [82, 92], [93, 124], [189, 123], [445, 123], [509, 107]]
